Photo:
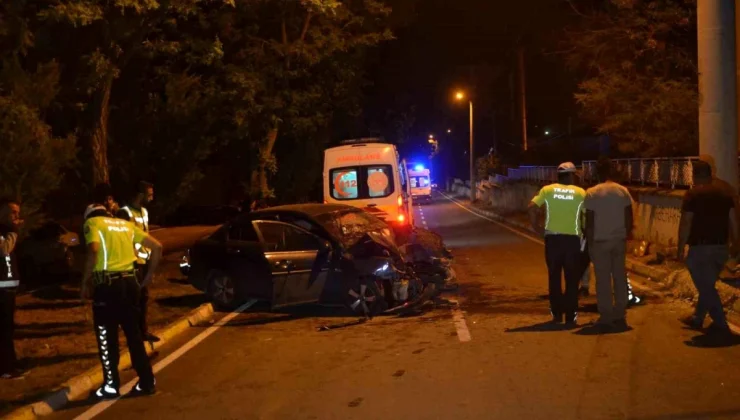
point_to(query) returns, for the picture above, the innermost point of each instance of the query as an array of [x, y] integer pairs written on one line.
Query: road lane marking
[[104, 405], [502, 224], [458, 318]]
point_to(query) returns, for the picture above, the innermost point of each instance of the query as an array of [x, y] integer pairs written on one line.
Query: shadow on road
[[179, 281], [193, 301], [34, 362], [47, 306], [712, 341], [596, 329], [56, 293], [542, 327], [51, 329]]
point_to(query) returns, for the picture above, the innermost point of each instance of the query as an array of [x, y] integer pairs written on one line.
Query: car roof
[[310, 209]]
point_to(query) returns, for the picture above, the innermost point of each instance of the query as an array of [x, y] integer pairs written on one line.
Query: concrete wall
[[657, 212]]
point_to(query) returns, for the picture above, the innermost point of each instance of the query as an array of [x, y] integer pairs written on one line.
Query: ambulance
[[369, 174], [421, 184]]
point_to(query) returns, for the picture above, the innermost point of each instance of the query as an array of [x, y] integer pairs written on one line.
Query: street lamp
[[460, 96], [449, 131]]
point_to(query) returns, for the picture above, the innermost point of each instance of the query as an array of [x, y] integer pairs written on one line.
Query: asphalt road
[[494, 359]]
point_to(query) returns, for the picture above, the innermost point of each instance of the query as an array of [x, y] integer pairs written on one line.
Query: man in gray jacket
[[609, 222]]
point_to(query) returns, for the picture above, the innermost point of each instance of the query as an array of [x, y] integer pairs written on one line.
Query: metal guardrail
[[659, 172], [534, 173]]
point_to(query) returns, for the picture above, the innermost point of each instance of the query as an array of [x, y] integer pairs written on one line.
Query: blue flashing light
[[419, 167]]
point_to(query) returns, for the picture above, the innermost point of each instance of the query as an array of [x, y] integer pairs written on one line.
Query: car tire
[[223, 291], [365, 299]]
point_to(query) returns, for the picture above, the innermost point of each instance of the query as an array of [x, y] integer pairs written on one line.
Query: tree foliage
[[640, 75], [32, 159], [161, 89]]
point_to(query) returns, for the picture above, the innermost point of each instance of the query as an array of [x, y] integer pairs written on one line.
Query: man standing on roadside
[[10, 222], [137, 213], [110, 279], [707, 216], [563, 203], [609, 222]]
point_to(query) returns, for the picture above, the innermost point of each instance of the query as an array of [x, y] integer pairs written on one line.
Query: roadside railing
[[534, 173], [658, 172]]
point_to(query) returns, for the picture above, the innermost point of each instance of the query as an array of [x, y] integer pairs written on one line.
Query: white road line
[[503, 225], [104, 405], [458, 317]]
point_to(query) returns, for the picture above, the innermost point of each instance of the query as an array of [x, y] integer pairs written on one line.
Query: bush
[[32, 160]]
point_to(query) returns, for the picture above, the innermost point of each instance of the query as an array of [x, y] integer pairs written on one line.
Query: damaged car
[[299, 254]]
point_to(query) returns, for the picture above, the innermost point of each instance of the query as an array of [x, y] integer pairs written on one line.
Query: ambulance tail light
[[401, 219], [400, 201]]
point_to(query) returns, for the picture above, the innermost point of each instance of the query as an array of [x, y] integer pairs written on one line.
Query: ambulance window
[[344, 184], [379, 181], [419, 181]]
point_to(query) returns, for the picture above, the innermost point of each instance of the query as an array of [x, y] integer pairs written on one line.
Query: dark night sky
[[471, 44]]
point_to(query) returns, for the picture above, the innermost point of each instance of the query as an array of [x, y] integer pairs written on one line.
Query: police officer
[[110, 278], [137, 213], [564, 242], [10, 221]]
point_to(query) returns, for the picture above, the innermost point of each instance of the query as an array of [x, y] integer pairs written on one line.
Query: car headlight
[[383, 269]]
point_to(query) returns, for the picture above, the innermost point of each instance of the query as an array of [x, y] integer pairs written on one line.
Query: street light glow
[[460, 95], [449, 131], [431, 136], [547, 132]]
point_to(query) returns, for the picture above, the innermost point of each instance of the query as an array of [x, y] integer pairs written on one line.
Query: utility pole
[[737, 64], [718, 115], [523, 96], [473, 187]]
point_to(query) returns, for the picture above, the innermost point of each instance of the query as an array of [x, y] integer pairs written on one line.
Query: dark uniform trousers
[[563, 256], [7, 325], [141, 271], [116, 302]]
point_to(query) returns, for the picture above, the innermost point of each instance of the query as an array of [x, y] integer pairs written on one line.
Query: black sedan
[[46, 255], [289, 255]]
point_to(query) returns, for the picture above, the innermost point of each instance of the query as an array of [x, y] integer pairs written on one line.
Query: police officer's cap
[[566, 167]]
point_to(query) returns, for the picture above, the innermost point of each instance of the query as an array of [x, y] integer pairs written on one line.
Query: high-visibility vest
[[141, 219], [8, 272]]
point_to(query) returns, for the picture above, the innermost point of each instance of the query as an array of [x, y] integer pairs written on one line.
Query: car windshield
[[350, 227]]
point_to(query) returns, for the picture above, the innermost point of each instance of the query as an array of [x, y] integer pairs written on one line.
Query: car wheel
[[365, 299], [222, 290]]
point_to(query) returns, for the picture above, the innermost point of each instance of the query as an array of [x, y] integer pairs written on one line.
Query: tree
[[112, 33], [32, 158], [486, 166], [291, 53], [640, 84]]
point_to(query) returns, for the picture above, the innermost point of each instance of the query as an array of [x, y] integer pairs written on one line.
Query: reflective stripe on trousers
[[5, 284]]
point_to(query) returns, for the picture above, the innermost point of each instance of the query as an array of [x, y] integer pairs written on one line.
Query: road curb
[[84, 383]]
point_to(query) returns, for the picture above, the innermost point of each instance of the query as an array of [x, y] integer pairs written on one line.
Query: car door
[[243, 252], [299, 262]]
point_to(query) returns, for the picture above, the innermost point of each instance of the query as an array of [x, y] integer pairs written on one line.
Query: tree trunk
[[99, 133], [260, 186]]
